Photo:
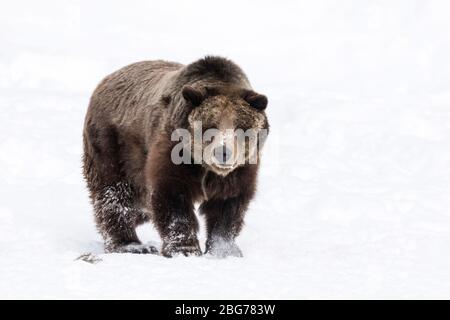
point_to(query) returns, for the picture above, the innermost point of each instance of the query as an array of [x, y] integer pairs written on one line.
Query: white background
[[354, 191]]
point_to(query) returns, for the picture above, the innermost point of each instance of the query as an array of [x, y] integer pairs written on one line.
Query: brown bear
[[128, 155]]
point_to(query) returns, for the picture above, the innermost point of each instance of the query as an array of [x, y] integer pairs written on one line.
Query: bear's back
[[127, 95]]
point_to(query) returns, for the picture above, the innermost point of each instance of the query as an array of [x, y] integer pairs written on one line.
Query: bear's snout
[[222, 154]]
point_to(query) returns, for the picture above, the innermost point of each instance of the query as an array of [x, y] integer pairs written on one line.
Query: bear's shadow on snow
[[96, 249]]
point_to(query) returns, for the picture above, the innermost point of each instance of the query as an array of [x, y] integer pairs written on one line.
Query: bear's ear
[[193, 95], [256, 100]]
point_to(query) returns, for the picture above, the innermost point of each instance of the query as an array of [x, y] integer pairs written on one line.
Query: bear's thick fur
[[127, 154]]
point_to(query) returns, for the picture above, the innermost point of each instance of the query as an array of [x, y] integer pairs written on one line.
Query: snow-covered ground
[[354, 192]]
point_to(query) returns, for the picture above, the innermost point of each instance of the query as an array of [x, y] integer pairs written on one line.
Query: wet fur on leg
[[116, 218]]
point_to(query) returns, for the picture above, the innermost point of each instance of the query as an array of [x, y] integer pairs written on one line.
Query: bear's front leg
[[224, 221], [175, 220]]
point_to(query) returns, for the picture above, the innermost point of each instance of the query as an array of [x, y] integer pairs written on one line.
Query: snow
[[353, 198]]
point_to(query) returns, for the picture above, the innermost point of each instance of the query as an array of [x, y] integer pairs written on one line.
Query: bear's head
[[228, 126]]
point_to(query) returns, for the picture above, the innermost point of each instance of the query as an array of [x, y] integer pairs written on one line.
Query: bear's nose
[[222, 154]]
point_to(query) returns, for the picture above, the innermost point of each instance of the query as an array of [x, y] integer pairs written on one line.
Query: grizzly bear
[[128, 155]]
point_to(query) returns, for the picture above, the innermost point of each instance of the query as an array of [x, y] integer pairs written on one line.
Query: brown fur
[[127, 148]]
